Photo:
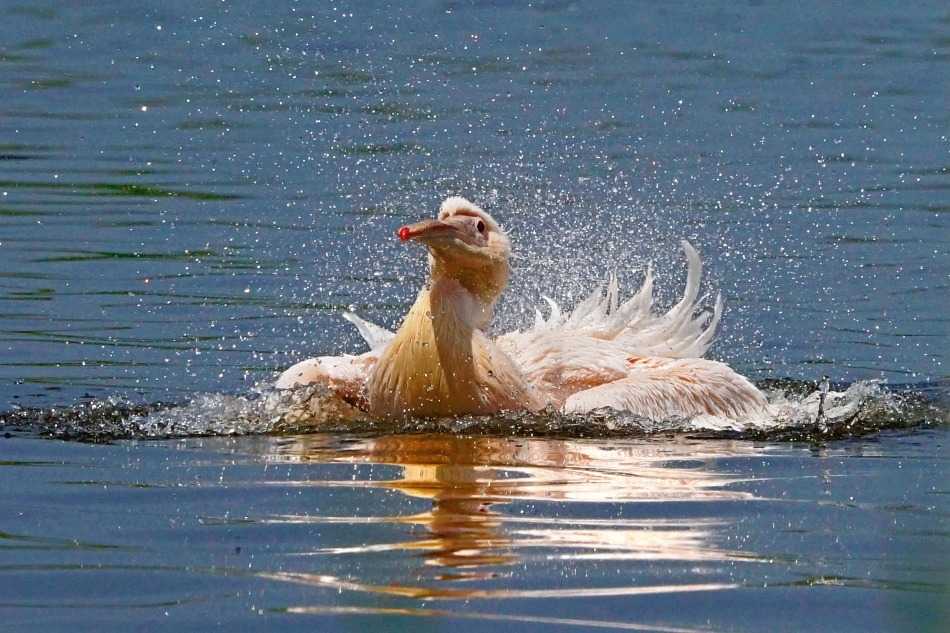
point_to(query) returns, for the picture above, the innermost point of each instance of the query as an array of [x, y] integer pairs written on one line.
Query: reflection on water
[[472, 536], [656, 533]]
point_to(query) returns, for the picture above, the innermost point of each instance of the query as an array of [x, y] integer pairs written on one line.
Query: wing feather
[[664, 388], [344, 375], [575, 359], [376, 336], [627, 329]]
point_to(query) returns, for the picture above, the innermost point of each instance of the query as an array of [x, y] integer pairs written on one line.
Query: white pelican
[[603, 354]]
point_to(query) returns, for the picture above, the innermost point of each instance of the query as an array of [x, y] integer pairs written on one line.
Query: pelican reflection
[[500, 504]]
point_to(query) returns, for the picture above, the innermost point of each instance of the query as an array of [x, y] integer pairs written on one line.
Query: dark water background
[[191, 194]]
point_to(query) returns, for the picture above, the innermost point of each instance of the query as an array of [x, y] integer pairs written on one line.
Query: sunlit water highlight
[[569, 532]]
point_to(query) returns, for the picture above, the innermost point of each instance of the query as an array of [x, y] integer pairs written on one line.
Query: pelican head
[[465, 244]]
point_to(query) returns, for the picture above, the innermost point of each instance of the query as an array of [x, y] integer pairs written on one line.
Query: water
[[190, 196], [416, 531]]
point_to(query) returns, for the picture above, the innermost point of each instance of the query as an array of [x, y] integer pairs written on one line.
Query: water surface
[[342, 533]]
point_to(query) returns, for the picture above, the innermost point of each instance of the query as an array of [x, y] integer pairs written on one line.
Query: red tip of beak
[[404, 233]]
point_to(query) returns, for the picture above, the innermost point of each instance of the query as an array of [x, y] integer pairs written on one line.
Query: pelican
[[604, 353]]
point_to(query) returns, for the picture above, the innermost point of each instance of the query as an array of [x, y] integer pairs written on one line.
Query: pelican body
[[603, 354]]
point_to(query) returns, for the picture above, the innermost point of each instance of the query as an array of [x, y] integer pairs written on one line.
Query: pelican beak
[[433, 232]]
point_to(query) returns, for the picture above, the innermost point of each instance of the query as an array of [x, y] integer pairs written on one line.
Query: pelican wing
[[663, 388], [590, 346], [376, 336], [344, 375]]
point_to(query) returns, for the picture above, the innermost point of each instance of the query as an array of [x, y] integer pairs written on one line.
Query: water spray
[[823, 388]]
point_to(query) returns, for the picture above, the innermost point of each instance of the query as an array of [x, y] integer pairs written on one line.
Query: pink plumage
[[603, 354]]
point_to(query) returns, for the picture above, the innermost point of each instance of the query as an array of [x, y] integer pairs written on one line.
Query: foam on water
[[857, 410]]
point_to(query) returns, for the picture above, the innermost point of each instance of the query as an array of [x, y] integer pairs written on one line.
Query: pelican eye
[[480, 226]]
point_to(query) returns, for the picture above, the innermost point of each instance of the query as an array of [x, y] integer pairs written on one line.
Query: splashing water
[[860, 409]]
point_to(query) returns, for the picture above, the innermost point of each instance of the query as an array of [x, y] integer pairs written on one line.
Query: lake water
[[191, 195]]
